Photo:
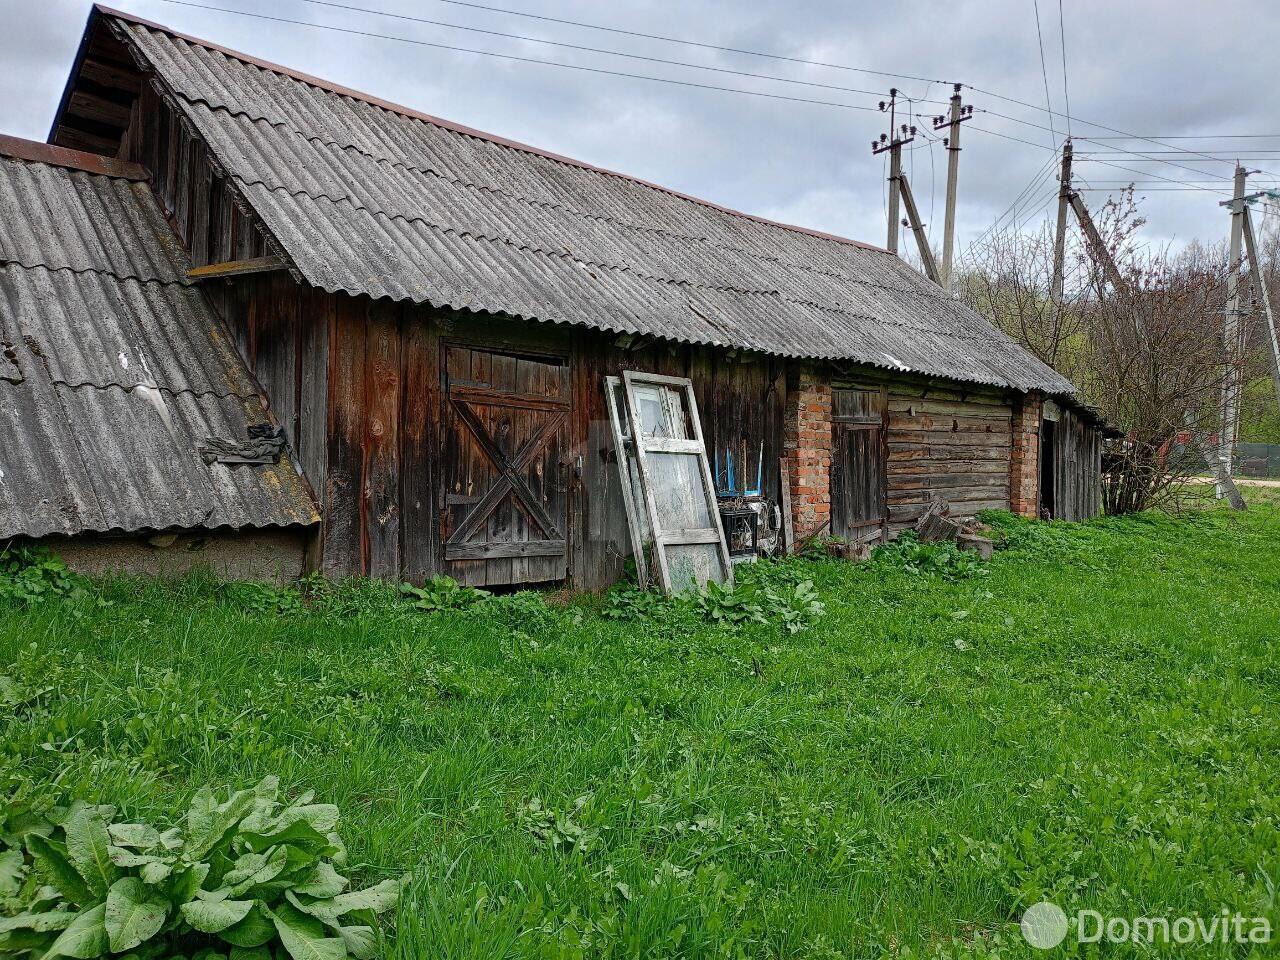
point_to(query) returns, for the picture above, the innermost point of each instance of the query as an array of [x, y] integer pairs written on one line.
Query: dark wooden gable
[[99, 98]]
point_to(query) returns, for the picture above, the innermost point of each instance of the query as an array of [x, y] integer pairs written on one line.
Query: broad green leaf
[[89, 847], [304, 937], [377, 898], [137, 835], [219, 825], [362, 942], [322, 816], [380, 897], [251, 953], [253, 931], [135, 913], [215, 917], [124, 857], [298, 834], [20, 941], [39, 922], [200, 813], [52, 856], [155, 872], [85, 939], [253, 870], [12, 870], [186, 884], [324, 882], [209, 953]]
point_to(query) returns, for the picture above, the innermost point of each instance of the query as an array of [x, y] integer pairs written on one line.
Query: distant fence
[[1260, 460]]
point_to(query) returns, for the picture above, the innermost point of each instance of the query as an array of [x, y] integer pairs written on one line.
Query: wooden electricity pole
[[959, 113], [1060, 234], [892, 143], [1230, 409], [900, 189], [1260, 282]]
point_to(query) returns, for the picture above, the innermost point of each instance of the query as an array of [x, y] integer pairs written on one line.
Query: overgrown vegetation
[[1089, 720], [247, 876]]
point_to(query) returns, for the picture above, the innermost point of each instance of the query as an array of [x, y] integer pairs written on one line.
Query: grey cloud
[[1150, 67]]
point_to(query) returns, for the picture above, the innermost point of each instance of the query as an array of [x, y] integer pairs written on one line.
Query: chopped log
[[934, 525]]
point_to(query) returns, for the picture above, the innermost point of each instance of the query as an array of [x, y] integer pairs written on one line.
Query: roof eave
[[74, 73]]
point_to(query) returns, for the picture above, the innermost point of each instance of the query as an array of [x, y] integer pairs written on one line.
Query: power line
[[1041, 146], [1066, 97], [1040, 126], [508, 56], [1044, 72], [588, 49], [668, 80], [763, 54], [690, 43], [1192, 136]]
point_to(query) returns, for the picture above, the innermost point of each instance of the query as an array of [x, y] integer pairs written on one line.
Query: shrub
[[443, 593], [32, 574], [771, 594], [944, 560], [247, 878]]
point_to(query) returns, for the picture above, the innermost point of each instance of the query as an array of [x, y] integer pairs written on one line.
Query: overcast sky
[[1152, 67]]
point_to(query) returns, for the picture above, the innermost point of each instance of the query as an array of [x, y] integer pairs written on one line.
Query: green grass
[[1092, 719]]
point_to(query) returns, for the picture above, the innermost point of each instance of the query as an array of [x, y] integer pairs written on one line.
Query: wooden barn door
[[505, 493], [858, 464]]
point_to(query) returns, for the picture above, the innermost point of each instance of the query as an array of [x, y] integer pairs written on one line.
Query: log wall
[[945, 441]]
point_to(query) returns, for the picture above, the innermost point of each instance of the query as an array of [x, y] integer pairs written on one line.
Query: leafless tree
[[1149, 354]]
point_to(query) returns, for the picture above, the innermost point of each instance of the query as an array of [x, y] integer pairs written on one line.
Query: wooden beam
[[235, 268], [1097, 247], [31, 150]]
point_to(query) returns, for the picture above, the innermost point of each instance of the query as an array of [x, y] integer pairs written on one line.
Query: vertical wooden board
[[774, 419], [419, 440], [591, 560], [276, 346], [380, 496], [344, 479], [458, 463], [315, 318]]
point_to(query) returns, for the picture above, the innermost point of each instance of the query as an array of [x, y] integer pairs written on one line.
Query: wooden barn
[[429, 316]]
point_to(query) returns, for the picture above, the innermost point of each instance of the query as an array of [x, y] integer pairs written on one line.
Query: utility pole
[[1060, 235], [917, 228], [900, 190], [1260, 282], [893, 144], [959, 113], [1231, 331]]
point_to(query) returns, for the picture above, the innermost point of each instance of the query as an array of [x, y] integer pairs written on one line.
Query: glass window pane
[[692, 565], [661, 412], [678, 493]]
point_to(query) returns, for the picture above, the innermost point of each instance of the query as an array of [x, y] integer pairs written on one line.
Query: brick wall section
[[1024, 461], [807, 447]]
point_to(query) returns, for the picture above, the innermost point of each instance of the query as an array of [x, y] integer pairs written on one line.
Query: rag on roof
[[364, 198]]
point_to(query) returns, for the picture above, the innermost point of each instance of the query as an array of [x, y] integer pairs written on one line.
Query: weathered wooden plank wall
[[199, 204], [946, 442], [1077, 465]]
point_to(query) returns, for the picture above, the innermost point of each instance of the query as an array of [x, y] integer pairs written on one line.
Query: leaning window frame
[[662, 539]]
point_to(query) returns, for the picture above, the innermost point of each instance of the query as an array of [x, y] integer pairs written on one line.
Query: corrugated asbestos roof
[[114, 369], [369, 200]]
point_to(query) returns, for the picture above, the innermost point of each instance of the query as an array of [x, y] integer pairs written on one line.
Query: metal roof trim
[[335, 88]]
